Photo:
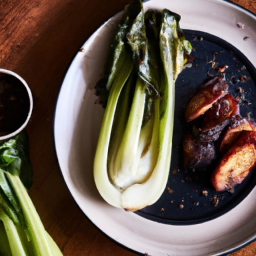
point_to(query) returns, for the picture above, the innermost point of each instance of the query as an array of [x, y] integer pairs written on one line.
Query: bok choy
[[21, 230], [133, 154]]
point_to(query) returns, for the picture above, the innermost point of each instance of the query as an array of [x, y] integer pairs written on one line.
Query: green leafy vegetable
[[133, 154], [23, 227], [118, 52]]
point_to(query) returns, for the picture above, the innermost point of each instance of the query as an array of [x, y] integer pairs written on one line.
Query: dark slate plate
[[186, 186]]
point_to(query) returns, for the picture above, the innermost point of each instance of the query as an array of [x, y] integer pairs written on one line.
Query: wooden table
[[38, 40]]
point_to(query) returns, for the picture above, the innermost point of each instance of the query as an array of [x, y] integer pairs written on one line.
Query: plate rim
[[248, 12]]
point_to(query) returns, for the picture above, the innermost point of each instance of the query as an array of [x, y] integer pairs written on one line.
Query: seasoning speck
[[246, 38], [249, 115], [188, 65], [181, 206], [240, 25], [81, 50], [242, 78], [169, 190], [235, 80], [205, 192], [162, 209], [240, 90], [215, 201], [222, 68]]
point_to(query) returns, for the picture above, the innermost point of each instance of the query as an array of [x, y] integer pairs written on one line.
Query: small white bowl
[[11, 73]]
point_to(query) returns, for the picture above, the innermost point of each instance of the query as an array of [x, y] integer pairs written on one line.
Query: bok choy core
[[133, 154], [21, 230]]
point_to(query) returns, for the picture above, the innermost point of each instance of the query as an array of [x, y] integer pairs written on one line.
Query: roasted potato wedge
[[221, 111], [238, 124], [236, 163], [208, 94], [197, 154]]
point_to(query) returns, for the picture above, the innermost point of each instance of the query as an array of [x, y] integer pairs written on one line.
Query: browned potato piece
[[222, 110], [236, 163], [217, 119], [197, 154], [205, 97], [238, 124]]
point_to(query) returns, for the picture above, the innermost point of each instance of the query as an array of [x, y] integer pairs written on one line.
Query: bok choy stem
[[34, 224], [15, 243], [126, 157], [101, 155], [119, 124]]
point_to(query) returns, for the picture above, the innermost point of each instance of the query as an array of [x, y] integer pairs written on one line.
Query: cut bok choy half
[[133, 154]]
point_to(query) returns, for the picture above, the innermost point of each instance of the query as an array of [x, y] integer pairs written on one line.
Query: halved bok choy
[[133, 154]]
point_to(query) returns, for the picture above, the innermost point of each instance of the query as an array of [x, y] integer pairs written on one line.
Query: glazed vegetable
[[197, 154], [133, 154], [236, 163], [205, 97], [221, 112], [23, 228], [238, 124], [199, 147], [217, 119]]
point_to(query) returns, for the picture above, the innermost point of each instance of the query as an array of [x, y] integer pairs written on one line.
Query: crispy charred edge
[[197, 154], [222, 110], [236, 163], [237, 125], [205, 97]]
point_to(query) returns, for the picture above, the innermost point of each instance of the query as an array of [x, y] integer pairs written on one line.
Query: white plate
[[76, 128]]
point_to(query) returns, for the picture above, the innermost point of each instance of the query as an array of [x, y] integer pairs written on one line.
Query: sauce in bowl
[[14, 104]]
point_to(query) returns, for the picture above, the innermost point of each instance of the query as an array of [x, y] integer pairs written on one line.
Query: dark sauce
[[14, 104]]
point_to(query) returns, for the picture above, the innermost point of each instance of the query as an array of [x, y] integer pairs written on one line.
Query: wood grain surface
[[38, 40]]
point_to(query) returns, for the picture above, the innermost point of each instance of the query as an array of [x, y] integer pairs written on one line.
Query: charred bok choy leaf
[[133, 154], [22, 227]]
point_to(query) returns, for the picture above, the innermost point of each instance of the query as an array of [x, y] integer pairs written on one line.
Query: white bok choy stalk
[[133, 154]]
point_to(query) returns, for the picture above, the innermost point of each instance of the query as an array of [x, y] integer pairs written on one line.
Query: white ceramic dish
[[11, 73], [76, 128]]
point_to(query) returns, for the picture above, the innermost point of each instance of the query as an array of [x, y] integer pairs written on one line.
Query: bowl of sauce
[[16, 104]]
